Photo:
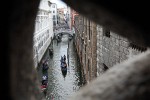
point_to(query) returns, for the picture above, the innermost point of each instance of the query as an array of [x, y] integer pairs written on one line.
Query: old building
[[99, 48], [68, 16], [73, 14], [113, 49], [85, 37], [60, 15], [54, 13], [43, 33]]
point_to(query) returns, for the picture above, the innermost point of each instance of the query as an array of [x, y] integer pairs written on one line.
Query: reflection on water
[[61, 84]]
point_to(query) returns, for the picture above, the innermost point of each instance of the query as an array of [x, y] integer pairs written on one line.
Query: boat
[[44, 88], [58, 38], [45, 66], [70, 37], [64, 71], [63, 68], [50, 51]]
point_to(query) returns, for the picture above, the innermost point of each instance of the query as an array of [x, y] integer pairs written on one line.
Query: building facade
[[85, 34], [60, 14], [54, 13], [68, 16], [43, 33], [113, 49], [99, 49], [73, 14]]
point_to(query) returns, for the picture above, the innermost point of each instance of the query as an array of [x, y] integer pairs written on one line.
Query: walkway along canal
[[60, 87]]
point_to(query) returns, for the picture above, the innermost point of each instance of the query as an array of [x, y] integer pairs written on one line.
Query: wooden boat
[[44, 88], [63, 69]]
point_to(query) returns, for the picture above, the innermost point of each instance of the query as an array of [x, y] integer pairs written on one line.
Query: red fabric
[[43, 86]]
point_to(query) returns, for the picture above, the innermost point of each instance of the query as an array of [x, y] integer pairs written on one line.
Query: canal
[[60, 87]]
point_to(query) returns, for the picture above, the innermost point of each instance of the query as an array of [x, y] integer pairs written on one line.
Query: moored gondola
[[44, 84], [44, 88], [50, 51]]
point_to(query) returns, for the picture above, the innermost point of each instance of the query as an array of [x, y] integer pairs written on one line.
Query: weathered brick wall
[[112, 50], [86, 46], [94, 49], [90, 38]]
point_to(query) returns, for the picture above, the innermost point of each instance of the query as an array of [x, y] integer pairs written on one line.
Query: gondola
[[44, 88], [63, 65], [45, 66], [70, 37], [50, 51], [63, 70], [58, 38]]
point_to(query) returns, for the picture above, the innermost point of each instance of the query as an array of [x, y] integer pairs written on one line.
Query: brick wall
[[99, 49], [112, 49], [94, 49], [86, 46]]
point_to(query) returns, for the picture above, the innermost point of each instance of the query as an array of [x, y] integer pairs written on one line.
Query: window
[[53, 6], [106, 32], [89, 30], [88, 65], [53, 11], [53, 17], [105, 67]]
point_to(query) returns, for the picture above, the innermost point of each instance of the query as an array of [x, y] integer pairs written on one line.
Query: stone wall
[[86, 46], [112, 49], [94, 49], [99, 49]]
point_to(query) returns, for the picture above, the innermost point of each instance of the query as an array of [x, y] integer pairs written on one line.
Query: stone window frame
[[106, 32], [105, 68]]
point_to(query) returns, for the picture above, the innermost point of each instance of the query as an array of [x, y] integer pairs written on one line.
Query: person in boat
[[45, 65], [61, 60], [58, 37], [50, 51], [64, 58], [64, 65], [44, 80]]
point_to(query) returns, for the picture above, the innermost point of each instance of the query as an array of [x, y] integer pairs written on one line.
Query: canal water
[[60, 86]]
